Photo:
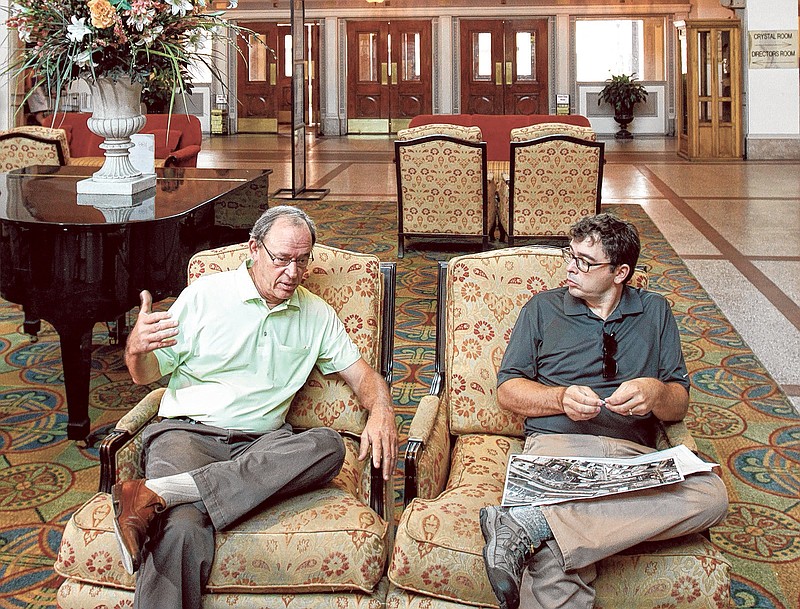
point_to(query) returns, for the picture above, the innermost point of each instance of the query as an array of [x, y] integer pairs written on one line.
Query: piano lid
[[177, 191]]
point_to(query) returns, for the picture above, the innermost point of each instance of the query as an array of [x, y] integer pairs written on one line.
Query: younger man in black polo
[[595, 367]]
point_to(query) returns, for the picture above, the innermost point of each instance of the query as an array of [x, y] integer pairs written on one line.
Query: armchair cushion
[[326, 540]]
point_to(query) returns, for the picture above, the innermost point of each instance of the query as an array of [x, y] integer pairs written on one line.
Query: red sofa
[[176, 146], [496, 128]]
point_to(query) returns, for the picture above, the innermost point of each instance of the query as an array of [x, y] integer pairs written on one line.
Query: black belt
[[186, 420]]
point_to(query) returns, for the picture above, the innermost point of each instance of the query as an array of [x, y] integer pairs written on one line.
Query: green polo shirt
[[558, 341], [238, 363]]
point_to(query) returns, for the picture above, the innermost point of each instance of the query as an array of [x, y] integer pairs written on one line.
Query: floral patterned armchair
[[32, 145], [553, 181], [460, 442], [442, 184], [325, 548]]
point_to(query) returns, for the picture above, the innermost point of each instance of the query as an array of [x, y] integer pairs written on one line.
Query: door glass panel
[[287, 55], [526, 56], [704, 63], [724, 63], [482, 56], [257, 58], [368, 57], [410, 60]]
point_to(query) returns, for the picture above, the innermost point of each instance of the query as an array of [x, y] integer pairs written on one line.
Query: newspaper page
[[542, 480]]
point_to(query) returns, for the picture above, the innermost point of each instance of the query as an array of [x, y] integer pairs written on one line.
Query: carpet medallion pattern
[[738, 414]]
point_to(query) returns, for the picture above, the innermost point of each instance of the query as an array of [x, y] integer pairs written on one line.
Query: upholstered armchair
[[553, 181], [460, 442], [325, 548], [31, 145], [442, 187]]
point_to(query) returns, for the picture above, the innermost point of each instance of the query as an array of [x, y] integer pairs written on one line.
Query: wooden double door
[[264, 81], [388, 74], [504, 66]]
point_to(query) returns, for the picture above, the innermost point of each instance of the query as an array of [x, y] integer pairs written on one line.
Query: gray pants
[[235, 472], [562, 571]]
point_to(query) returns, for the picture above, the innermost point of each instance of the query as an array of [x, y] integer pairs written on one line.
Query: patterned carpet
[[738, 415]]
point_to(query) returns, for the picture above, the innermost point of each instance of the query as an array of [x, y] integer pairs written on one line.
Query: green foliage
[[622, 92], [153, 42]]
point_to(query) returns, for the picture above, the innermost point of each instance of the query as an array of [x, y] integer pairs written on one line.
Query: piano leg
[[31, 327], [76, 357]]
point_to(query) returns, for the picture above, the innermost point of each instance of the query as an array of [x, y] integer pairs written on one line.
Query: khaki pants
[[586, 531]]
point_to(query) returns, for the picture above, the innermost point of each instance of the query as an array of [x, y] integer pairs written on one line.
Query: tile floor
[[736, 224]]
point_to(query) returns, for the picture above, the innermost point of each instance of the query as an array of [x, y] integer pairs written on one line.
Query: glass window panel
[[704, 63], [616, 46], [287, 55], [257, 58], [368, 57], [705, 112], [526, 56], [725, 111], [724, 63], [410, 59], [482, 56]]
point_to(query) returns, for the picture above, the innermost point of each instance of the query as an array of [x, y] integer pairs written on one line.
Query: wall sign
[[773, 49]]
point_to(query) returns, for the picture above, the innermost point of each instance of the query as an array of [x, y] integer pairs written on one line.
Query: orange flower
[[102, 13]]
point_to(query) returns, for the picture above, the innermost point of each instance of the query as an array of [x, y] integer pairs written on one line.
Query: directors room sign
[[773, 49]]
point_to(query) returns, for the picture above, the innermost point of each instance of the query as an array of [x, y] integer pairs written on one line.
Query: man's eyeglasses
[[609, 351], [584, 266], [301, 262]]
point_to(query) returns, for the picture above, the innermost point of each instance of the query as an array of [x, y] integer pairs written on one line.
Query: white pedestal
[[127, 186]]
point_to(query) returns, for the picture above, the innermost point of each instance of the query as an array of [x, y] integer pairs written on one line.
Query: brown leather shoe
[[135, 507]]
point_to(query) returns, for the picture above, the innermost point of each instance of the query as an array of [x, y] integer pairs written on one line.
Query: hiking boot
[[135, 508], [508, 547]]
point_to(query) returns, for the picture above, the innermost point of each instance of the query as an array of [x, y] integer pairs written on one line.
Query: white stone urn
[[116, 115]]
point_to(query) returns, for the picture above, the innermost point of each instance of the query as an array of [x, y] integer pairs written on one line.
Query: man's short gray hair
[[294, 214]]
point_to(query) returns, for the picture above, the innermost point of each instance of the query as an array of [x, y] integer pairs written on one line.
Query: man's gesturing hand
[[152, 330]]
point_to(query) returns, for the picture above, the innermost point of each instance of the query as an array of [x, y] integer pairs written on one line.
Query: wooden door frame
[[501, 32]]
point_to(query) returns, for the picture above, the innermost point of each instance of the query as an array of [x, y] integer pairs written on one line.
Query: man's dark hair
[[618, 238], [294, 214]]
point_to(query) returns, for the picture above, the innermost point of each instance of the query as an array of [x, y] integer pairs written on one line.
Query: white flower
[[83, 58], [233, 3], [24, 34], [77, 29], [180, 7], [151, 35]]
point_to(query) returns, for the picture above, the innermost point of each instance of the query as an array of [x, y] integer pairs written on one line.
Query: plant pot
[[116, 115], [624, 117]]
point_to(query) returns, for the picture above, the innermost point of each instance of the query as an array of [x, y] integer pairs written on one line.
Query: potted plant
[[119, 47], [622, 92]]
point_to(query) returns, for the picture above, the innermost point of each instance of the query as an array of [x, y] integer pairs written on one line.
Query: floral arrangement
[[150, 41]]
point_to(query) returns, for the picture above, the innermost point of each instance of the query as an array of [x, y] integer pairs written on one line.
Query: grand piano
[[75, 260]]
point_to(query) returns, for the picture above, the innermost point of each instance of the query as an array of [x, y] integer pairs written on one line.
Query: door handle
[[384, 73], [498, 74], [394, 72], [273, 74], [509, 73]]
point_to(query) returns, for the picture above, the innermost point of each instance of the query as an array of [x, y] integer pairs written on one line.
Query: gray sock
[[531, 519], [174, 490]]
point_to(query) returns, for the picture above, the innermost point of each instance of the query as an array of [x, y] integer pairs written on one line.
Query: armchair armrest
[[675, 434], [120, 450], [183, 157], [427, 458]]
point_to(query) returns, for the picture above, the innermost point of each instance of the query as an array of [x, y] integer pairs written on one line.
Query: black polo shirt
[[558, 341]]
